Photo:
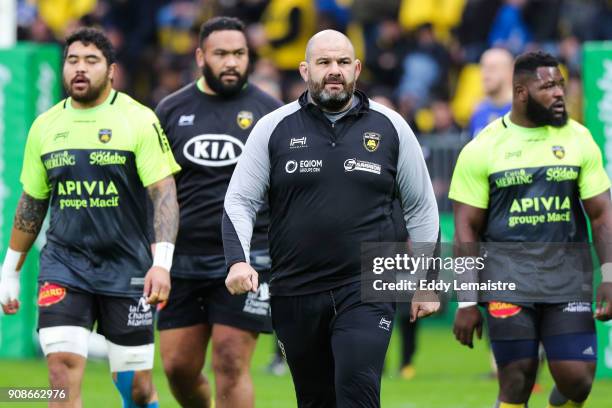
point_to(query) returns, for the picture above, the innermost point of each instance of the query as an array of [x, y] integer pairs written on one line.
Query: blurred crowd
[[421, 57]]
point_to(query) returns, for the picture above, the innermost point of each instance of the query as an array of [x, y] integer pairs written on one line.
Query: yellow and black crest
[[105, 135], [558, 151], [244, 119], [371, 141]]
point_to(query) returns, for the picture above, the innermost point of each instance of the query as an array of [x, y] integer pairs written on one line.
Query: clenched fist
[[241, 279]]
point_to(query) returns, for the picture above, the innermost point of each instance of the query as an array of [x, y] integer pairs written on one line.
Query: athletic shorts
[[125, 321], [528, 322], [566, 330], [207, 301], [335, 346]]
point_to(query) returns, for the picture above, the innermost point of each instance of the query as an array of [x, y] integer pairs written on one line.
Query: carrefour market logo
[[213, 150]]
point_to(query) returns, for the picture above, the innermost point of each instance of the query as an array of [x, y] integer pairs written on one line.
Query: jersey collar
[[508, 124], [110, 100]]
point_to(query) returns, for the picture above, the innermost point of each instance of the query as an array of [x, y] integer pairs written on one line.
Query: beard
[[328, 100], [540, 115], [91, 93], [218, 86]]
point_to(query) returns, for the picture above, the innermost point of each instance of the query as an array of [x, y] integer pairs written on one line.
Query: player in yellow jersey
[[531, 179], [92, 159]]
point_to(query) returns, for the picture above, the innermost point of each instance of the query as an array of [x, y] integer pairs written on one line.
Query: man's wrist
[[164, 252], [606, 272], [11, 264]]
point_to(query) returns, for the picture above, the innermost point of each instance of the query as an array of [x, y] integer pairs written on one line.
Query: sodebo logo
[[213, 150]]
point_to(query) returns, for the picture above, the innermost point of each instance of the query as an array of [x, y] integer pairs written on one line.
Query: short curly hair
[[219, 24], [88, 35]]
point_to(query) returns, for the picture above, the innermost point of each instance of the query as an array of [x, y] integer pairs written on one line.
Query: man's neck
[[521, 120], [98, 101]]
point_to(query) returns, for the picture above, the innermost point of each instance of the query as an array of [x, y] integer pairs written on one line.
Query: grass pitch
[[447, 376]]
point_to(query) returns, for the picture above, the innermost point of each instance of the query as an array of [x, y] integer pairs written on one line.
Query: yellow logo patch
[[244, 119]]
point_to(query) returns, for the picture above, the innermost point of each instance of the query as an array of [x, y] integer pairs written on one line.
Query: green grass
[[448, 376]]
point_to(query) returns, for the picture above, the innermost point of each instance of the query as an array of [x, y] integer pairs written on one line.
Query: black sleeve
[[161, 114], [295, 17]]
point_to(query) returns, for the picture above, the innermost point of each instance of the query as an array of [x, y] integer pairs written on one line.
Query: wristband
[[10, 264], [606, 272], [463, 305], [163, 255]]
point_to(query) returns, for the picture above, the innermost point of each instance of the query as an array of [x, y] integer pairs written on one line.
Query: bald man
[[331, 163], [496, 68]]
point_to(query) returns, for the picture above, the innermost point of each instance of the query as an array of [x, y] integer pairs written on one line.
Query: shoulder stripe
[[114, 97], [270, 121]]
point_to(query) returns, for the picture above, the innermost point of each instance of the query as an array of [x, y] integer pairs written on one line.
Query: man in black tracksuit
[[331, 163]]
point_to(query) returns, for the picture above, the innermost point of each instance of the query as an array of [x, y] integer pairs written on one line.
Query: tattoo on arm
[[165, 210], [30, 214]]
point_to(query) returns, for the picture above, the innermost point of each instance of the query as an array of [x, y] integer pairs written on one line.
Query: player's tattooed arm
[[28, 221], [165, 209]]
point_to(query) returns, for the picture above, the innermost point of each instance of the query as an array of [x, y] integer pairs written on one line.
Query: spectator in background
[[473, 31], [496, 68], [333, 14], [509, 29], [286, 27], [369, 13], [543, 17], [384, 60], [425, 71], [443, 120]]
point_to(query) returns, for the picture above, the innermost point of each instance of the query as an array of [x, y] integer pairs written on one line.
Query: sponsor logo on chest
[[213, 150]]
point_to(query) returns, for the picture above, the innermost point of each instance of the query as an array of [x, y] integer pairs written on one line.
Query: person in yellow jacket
[[287, 25]]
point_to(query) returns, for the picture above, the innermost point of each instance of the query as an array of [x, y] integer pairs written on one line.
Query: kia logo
[[213, 150]]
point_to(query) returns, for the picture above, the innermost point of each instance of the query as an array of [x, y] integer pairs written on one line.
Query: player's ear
[[112, 68], [521, 92], [357, 69], [199, 55], [304, 70]]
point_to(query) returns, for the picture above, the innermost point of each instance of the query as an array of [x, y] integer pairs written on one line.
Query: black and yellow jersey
[[94, 165], [531, 181]]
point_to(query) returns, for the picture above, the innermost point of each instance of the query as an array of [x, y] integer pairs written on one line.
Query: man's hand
[[241, 279], [424, 303], [9, 292], [603, 302], [467, 320], [156, 285]]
